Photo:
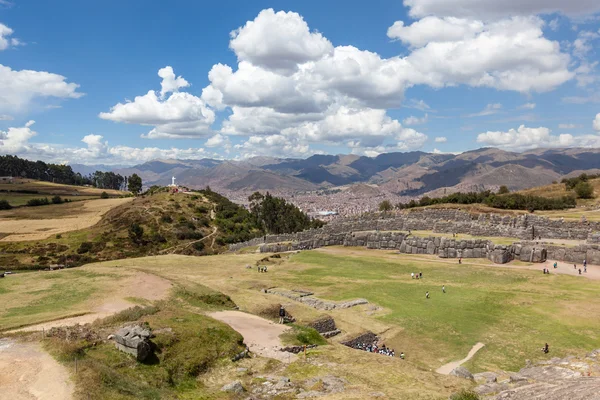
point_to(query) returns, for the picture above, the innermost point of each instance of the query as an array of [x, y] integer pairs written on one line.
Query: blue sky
[[292, 79]]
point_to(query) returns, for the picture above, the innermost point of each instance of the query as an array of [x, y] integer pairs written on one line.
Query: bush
[[104, 195], [57, 200], [199, 246], [465, 395], [84, 247], [4, 205], [58, 236], [385, 206], [38, 202], [136, 233], [166, 218], [503, 190], [584, 190]]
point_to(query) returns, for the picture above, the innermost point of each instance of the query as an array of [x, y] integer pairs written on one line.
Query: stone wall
[[523, 227]]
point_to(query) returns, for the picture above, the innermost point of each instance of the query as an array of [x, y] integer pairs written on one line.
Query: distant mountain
[[90, 169], [401, 174]]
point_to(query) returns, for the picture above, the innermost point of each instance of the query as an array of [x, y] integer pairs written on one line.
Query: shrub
[[4, 205], [201, 210], [199, 246], [84, 247], [385, 206], [38, 202], [57, 200], [136, 233], [503, 190], [158, 238], [465, 395], [584, 190], [104, 195], [166, 218], [58, 236]]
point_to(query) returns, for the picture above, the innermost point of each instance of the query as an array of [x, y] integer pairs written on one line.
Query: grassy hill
[[157, 223], [559, 190]]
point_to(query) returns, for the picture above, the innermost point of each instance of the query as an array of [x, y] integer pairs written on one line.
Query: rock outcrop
[[556, 379], [134, 340]]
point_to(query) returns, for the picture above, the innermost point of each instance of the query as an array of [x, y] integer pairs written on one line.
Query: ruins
[[391, 232]]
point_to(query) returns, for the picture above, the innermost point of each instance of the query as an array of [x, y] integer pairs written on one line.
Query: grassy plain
[[513, 312]]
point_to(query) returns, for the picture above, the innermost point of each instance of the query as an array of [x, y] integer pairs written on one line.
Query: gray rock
[[233, 387], [462, 372]]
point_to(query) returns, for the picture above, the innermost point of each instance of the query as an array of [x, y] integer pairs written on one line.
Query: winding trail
[[447, 368], [261, 335]]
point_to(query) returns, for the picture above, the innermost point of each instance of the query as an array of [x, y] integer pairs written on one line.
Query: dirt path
[[261, 335], [27, 372], [446, 369], [141, 285]]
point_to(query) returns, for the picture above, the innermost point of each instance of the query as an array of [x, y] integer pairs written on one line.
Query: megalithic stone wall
[[523, 227]]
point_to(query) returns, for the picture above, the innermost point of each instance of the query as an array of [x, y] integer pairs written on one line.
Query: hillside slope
[[171, 223]]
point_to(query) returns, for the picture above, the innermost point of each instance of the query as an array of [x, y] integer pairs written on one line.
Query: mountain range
[[402, 174]]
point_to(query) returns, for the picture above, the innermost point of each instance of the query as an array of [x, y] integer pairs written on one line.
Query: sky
[[125, 82]]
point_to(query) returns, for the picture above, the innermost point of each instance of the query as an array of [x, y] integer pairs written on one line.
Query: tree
[[584, 190], [503, 190], [104, 195], [136, 233], [385, 206], [134, 184]]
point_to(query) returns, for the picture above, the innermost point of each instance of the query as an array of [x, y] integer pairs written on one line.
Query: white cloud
[[278, 41], [170, 82], [417, 104], [597, 122], [412, 120], [441, 139], [490, 109], [5, 40], [496, 9], [434, 29], [568, 126], [527, 106], [554, 24], [16, 140], [525, 138], [19, 88], [219, 140], [6, 117], [180, 115], [273, 145]]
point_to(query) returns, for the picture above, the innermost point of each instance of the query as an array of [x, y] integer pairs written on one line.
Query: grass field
[[513, 312], [51, 189]]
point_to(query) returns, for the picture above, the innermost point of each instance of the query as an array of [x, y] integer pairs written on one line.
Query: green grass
[[513, 312], [193, 345], [301, 335], [20, 199]]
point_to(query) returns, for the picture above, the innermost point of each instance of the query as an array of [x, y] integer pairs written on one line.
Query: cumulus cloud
[[441, 139], [278, 41], [179, 115], [434, 29], [273, 145], [597, 122], [498, 9], [5, 40], [17, 140], [19, 88], [412, 120], [170, 82], [525, 138]]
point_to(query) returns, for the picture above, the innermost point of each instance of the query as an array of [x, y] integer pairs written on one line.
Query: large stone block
[[134, 340]]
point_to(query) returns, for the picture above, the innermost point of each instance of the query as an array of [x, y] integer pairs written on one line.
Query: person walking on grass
[[281, 314], [443, 288], [426, 295], [555, 264]]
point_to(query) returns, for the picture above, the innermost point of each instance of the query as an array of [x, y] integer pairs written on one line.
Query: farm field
[[37, 223]]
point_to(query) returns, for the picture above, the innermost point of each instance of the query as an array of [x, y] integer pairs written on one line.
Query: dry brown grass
[[37, 223], [49, 188]]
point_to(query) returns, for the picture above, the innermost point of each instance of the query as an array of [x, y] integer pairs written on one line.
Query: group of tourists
[[374, 348], [418, 275], [443, 291], [262, 269]]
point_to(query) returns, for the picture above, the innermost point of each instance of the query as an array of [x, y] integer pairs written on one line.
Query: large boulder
[[134, 340], [233, 387]]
